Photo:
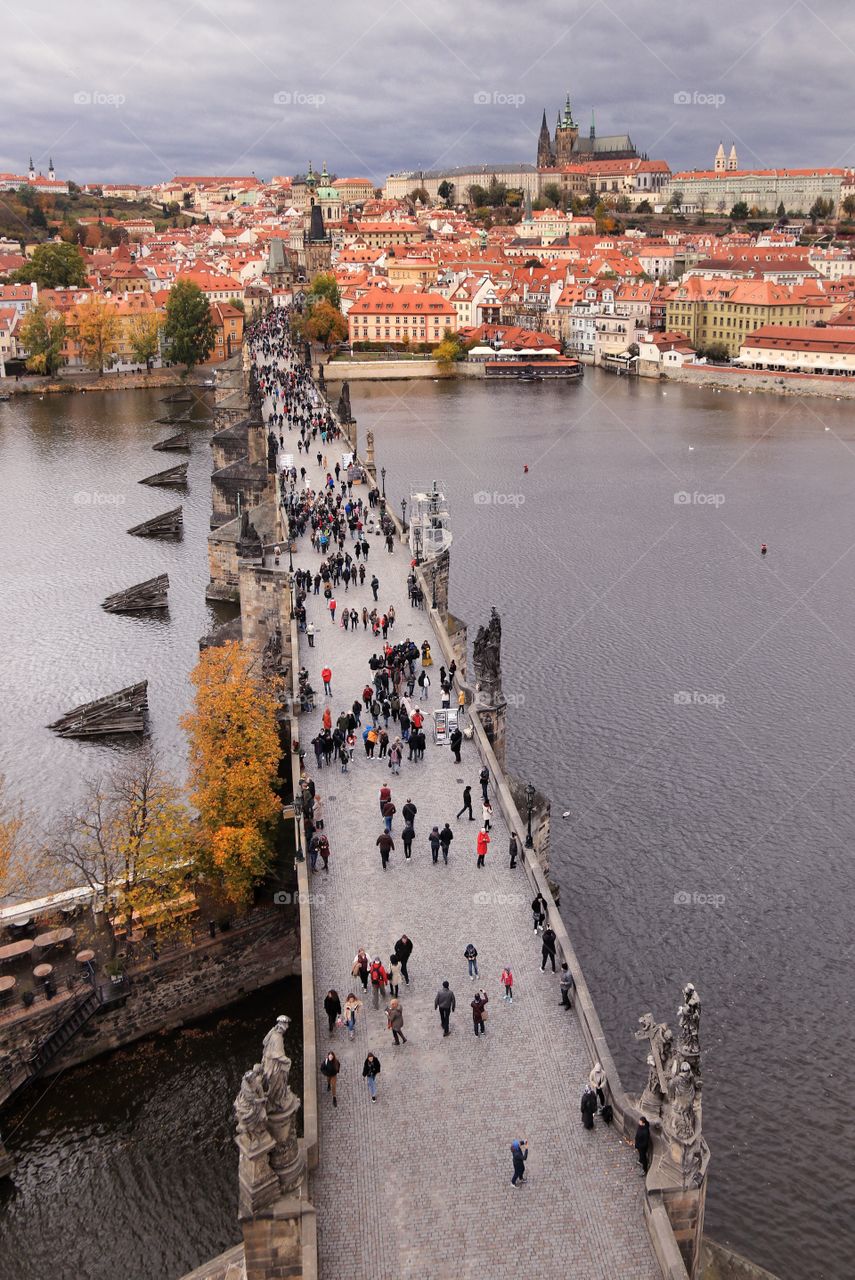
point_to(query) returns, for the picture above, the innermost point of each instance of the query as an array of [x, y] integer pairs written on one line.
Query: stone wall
[[167, 992], [728, 378], [384, 370]]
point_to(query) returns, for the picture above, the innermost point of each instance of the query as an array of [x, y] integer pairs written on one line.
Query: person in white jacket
[[597, 1081]]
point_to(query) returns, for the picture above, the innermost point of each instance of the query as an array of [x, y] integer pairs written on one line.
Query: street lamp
[[404, 514], [383, 481], [529, 801]]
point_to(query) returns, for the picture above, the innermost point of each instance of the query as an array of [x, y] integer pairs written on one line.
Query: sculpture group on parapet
[[672, 1094], [271, 1163], [487, 660]]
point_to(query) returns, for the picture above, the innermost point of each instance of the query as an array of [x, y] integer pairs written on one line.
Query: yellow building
[[725, 311]]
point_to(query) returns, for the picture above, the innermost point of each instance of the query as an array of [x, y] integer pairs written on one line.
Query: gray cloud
[[190, 87]]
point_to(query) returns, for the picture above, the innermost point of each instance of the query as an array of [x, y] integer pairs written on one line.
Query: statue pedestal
[[258, 1184], [492, 712], [287, 1160]]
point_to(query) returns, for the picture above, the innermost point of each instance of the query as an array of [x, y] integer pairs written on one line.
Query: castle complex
[[569, 147]]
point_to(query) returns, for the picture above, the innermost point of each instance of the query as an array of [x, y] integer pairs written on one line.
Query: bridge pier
[[7, 1163]]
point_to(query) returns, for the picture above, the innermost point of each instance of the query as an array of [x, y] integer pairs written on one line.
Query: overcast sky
[[117, 90]]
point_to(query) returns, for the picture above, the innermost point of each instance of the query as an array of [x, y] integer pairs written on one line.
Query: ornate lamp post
[[404, 515], [383, 481], [529, 801]]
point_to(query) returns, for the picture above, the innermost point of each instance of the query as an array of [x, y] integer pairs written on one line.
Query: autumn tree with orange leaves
[[234, 762]]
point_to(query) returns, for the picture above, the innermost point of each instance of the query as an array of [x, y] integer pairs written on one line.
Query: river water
[[687, 703]]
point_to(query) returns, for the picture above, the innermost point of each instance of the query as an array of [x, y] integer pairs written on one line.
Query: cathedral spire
[[593, 133]]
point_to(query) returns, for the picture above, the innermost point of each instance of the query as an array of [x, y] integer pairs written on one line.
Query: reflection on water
[[691, 705], [127, 1165]]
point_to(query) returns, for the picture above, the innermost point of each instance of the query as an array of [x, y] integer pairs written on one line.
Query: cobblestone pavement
[[418, 1183]]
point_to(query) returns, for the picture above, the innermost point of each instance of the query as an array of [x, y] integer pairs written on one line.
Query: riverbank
[[33, 386], [731, 378]]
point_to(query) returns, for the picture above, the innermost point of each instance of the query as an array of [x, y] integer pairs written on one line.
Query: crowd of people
[[384, 718]]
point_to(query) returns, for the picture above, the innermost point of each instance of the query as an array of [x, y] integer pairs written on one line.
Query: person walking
[[643, 1143], [384, 796], [519, 1155], [508, 984], [360, 967], [403, 950], [370, 1071], [588, 1106], [310, 635], [566, 985], [378, 980], [597, 1081], [395, 1021], [482, 844], [514, 849], [435, 840], [456, 742], [332, 1008], [408, 835], [486, 815], [467, 804], [446, 1004], [409, 812], [396, 753], [424, 683], [375, 585], [479, 1012], [538, 911], [393, 970], [332, 606], [470, 955], [389, 811], [352, 1005], [547, 950], [326, 676], [330, 1068], [484, 778], [446, 836], [385, 844]]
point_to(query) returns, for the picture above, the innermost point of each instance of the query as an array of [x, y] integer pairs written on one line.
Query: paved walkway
[[417, 1185]]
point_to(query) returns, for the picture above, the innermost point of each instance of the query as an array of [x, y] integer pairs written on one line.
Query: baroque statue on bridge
[[251, 1106], [487, 658], [276, 1065]]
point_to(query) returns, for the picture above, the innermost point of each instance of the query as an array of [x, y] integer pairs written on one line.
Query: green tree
[[188, 331], [144, 336], [239, 304], [739, 212], [420, 193], [644, 206], [42, 334], [445, 191], [782, 212], [623, 204], [849, 206], [54, 266], [324, 286], [676, 200], [532, 262], [477, 195], [821, 209], [450, 349], [552, 193], [716, 351]]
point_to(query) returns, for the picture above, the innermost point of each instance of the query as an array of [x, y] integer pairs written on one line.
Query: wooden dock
[[141, 598]]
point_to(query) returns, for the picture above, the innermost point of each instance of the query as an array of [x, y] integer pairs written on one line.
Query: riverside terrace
[[419, 1184]]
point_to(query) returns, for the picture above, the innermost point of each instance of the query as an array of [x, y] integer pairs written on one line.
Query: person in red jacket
[[326, 676], [483, 841]]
